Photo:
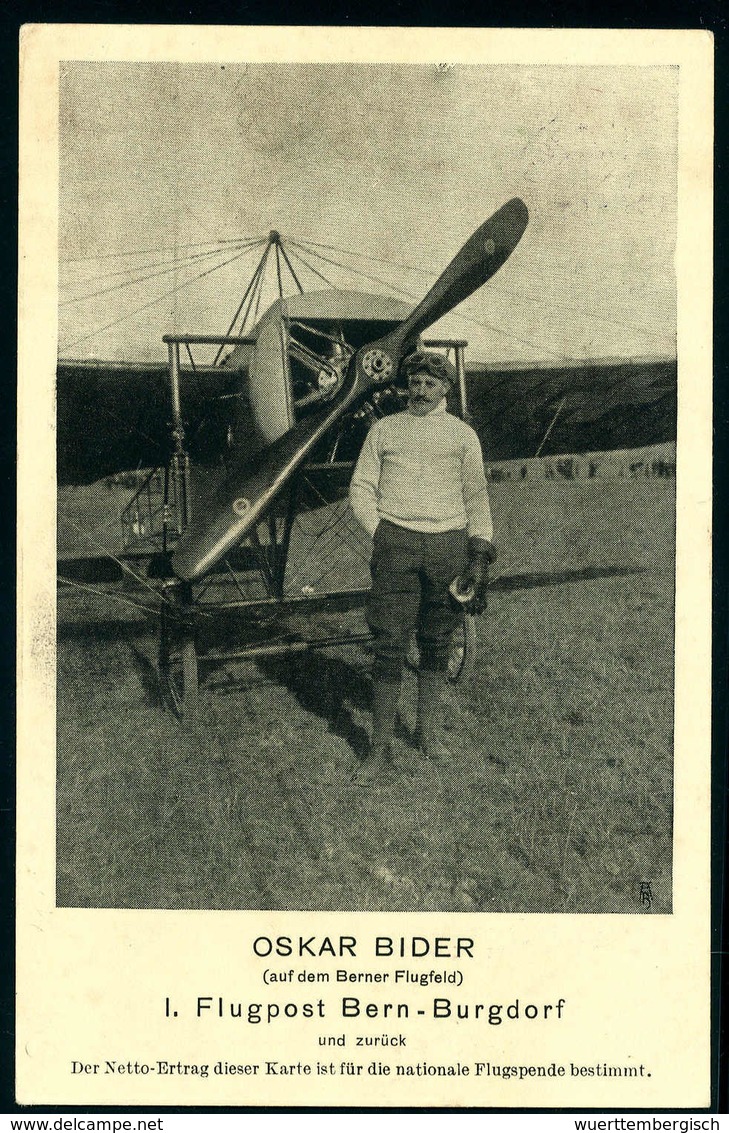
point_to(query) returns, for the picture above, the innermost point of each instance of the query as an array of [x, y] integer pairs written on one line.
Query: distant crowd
[[610, 466], [607, 466]]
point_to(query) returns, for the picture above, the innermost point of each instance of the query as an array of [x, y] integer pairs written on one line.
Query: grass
[[557, 796]]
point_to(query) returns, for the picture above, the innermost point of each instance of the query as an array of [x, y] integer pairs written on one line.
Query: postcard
[[364, 567]]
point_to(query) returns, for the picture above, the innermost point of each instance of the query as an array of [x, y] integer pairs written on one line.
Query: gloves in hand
[[481, 553]]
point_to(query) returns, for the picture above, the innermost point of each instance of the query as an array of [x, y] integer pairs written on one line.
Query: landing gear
[[178, 663]]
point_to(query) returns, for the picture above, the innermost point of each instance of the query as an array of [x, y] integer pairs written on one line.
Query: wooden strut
[[294, 645]]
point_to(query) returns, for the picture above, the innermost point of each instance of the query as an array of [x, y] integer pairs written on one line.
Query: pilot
[[419, 490]]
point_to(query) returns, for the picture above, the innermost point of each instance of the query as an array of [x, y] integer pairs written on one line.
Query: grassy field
[[557, 796]]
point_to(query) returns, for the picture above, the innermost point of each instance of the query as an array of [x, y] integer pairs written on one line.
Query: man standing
[[419, 490]]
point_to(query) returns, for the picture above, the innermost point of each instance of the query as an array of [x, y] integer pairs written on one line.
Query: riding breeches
[[411, 573]]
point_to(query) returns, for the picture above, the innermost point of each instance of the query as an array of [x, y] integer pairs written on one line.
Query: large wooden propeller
[[250, 489]]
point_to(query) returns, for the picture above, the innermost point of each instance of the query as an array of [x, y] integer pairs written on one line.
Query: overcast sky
[[397, 163]]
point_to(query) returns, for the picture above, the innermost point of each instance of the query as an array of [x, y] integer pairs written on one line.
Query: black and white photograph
[[377, 415], [304, 305]]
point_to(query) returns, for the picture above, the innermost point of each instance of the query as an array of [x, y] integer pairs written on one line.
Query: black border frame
[[710, 15]]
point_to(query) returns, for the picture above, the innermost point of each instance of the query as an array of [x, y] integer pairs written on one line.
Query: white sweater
[[424, 473]]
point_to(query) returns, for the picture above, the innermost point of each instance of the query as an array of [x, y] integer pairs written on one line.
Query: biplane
[[237, 450]]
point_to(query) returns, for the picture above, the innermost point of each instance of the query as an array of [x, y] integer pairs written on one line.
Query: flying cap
[[435, 364]]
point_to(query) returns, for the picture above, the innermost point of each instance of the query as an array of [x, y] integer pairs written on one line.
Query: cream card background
[[92, 984]]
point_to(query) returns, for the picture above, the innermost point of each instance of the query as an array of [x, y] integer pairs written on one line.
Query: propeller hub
[[377, 364]]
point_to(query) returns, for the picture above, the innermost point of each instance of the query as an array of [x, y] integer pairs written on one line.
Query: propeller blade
[[480, 257], [247, 493]]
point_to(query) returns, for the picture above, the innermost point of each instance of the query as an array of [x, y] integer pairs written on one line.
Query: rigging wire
[[364, 256], [154, 302], [529, 342], [327, 531], [331, 565], [175, 266], [328, 526], [278, 271], [327, 503], [252, 284], [364, 275], [497, 287], [298, 256], [330, 552], [149, 251], [310, 246], [460, 315], [138, 578], [551, 425], [237, 585], [332, 534], [534, 276], [567, 273], [259, 292], [175, 259], [288, 264], [586, 311], [105, 594]]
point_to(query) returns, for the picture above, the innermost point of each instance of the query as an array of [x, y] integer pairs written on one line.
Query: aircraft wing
[[571, 408], [115, 416]]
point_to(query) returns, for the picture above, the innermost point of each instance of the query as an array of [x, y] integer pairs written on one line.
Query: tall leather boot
[[385, 699], [430, 709]]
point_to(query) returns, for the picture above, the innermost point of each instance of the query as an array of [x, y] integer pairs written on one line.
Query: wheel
[[460, 651], [180, 676], [462, 648], [189, 677]]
